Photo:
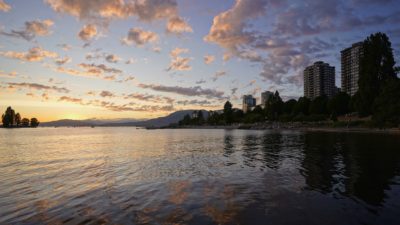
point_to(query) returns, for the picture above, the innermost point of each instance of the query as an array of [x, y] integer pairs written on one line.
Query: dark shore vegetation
[[376, 104], [10, 119]]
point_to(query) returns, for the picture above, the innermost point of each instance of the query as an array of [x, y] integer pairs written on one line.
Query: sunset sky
[[80, 59]]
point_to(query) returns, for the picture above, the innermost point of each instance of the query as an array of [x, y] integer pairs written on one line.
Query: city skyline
[[143, 59]]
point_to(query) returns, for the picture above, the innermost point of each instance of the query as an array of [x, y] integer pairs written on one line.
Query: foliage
[[34, 122], [319, 105], [339, 104], [376, 67], [387, 105]]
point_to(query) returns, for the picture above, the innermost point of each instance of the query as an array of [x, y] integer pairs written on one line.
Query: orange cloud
[[139, 37], [4, 6], [179, 63], [208, 59], [88, 32], [178, 25], [33, 55]]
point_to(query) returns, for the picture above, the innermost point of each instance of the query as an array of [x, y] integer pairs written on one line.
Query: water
[[130, 176]]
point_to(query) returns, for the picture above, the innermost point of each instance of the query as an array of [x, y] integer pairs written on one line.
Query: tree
[[274, 106], [387, 105], [25, 122], [228, 112], [186, 120], [302, 106], [319, 105], [339, 104], [17, 119], [8, 118], [376, 67], [200, 117], [288, 106], [34, 122]]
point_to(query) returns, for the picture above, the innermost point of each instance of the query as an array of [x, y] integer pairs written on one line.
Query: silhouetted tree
[[288, 106], [274, 106], [18, 119], [8, 117], [228, 112], [34, 122], [25, 122], [376, 67], [302, 106], [387, 105], [319, 105], [339, 104]]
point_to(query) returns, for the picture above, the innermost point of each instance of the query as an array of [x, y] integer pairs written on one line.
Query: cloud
[[65, 47], [229, 28], [117, 108], [92, 70], [99, 68], [187, 91], [39, 87], [70, 99], [88, 32], [104, 11], [105, 94], [4, 6], [208, 59], [12, 74], [62, 61], [202, 81], [218, 75], [130, 61], [178, 25], [194, 102], [150, 98], [31, 30], [34, 54], [111, 58], [179, 63], [139, 37]]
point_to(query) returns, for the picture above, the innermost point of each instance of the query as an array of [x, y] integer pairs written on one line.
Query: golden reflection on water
[[129, 176]]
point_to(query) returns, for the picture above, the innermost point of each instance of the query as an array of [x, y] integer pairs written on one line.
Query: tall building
[[248, 102], [265, 96], [319, 79], [350, 60]]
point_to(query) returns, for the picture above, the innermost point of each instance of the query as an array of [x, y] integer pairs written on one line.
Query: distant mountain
[[84, 123], [161, 121], [157, 122]]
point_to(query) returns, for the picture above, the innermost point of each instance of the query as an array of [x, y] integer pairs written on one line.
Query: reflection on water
[[129, 176]]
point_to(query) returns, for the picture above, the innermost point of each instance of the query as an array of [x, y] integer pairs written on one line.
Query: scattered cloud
[[105, 94], [139, 37], [187, 91], [62, 61], [39, 87], [112, 58], [12, 74], [65, 47], [202, 81], [194, 102], [130, 61], [150, 98], [218, 75], [4, 6], [31, 30], [88, 32], [208, 59], [35, 54], [179, 63], [178, 25]]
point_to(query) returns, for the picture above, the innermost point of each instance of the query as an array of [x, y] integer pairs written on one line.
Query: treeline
[[378, 97], [10, 119]]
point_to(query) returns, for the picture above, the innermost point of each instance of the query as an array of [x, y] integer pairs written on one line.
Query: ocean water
[[135, 176]]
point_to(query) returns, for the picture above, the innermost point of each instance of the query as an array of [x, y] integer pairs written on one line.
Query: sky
[[108, 59]]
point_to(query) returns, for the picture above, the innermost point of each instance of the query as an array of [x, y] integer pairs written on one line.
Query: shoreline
[[293, 128]]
